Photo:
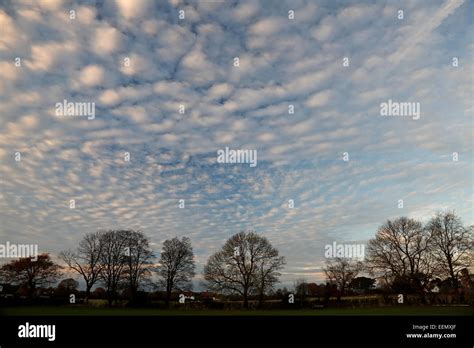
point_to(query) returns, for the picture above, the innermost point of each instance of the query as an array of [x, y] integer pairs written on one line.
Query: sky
[[137, 61]]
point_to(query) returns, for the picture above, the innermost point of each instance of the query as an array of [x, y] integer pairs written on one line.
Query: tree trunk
[[169, 289], [340, 293], [133, 293], [31, 289], [451, 271], [454, 280], [262, 293], [246, 300], [88, 293], [260, 299], [110, 298]]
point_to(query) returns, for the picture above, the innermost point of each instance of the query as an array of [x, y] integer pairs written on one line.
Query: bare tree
[[268, 267], [342, 271], [33, 274], [138, 257], [401, 250], [86, 259], [112, 260], [67, 287], [176, 265], [246, 264], [452, 245], [301, 288]]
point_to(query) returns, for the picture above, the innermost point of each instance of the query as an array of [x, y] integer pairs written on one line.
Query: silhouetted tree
[[301, 288], [401, 250], [239, 265], [138, 257], [362, 284], [465, 279], [112, 261], [86, 259], [176, 265], [342, 271], [67, 286], [32, 274], [452, 245], [268, 267]]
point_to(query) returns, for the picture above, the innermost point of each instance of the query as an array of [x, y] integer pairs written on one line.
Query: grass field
[[89, 311]]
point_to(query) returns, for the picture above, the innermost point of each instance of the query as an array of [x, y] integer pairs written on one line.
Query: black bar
[[242, 330]]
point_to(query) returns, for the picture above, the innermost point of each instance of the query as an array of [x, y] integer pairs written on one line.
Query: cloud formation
[[142, 66]]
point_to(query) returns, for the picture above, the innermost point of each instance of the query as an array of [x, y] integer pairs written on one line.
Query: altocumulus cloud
[[139, 63]]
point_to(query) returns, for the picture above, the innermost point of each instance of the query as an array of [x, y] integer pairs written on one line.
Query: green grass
[[101, 311]]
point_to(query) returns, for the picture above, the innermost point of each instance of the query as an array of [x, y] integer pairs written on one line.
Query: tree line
[[405, 256], [123, 260], [408, 257]]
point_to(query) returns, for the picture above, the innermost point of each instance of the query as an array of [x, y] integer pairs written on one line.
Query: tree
[[465, 279], [452, 243], [67, 286], [32, 274], [138, 258], [112, 261], [301, 288], [246, 264], [342, 271], [401, 251], [282, 292], [362, 284], [86, 260], [176, 265], [268, 270]]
